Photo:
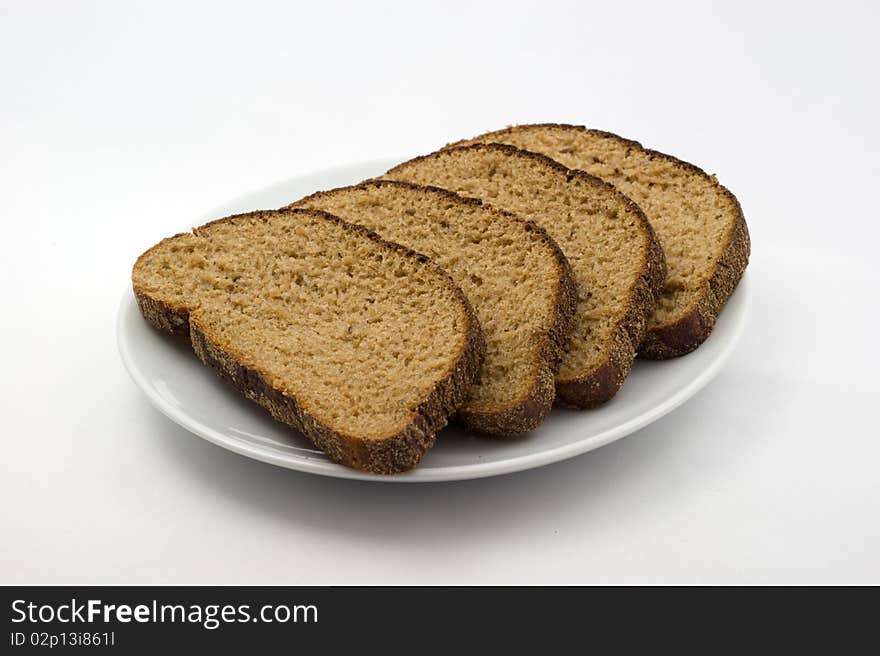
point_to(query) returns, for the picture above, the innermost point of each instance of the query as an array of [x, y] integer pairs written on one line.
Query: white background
[[122, 122]]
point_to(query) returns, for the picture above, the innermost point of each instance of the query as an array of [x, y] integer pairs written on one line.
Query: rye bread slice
[[513, 273], [362, 345], [699, 223], [616, 261]]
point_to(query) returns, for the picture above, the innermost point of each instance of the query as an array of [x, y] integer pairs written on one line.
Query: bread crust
[[388, 455], [682, 336], [599, 385], [527, 412]]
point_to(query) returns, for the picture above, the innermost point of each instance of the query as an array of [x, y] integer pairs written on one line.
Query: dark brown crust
[[396, 453], [526, 413], [165, 317], [548, 161], [599, 385], [687, 333]]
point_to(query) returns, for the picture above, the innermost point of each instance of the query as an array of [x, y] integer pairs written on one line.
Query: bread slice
[[515, 276], [362, 345], [699, 223], [616, 261]]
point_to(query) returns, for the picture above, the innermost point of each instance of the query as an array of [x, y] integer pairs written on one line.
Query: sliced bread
[[616, 261], [362, 345], [699, 223], [515, 276]]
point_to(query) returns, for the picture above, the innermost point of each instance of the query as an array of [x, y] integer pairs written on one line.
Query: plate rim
[[510, 465]]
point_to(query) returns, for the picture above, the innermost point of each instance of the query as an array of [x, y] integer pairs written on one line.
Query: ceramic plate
[[190, 394]]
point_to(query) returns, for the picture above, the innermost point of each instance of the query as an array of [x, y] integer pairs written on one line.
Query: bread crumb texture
[[359, 334], [698, 222], [604, 236], [514, 275]]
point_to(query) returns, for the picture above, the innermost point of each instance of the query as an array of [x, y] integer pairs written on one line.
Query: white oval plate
[[191, 394]]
